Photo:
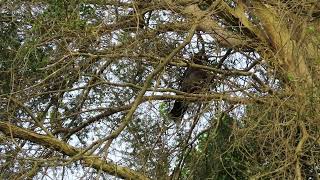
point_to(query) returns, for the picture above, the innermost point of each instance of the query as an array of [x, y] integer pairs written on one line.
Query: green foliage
[[9, 44], [86, 10], [205, 4], [67, 14], [163, 109], [290, 77], [57, 8], [214, 157], [74, 68], [311, 29], [33, 57]]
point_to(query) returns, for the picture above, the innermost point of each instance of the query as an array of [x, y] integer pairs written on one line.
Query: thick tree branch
[[282, 44], [64, 148]]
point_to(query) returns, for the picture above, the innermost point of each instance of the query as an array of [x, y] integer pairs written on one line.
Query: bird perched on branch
[[193, 80]]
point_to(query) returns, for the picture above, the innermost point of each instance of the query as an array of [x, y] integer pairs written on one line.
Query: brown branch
[[147, 83], [299, 149], [182, 96], [143, 90], [66, 149], [239, 12]]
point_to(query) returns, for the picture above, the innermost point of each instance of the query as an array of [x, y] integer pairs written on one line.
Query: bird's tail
[[178, 110]]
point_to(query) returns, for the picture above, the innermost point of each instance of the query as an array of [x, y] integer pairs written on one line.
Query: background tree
[[86, 87]]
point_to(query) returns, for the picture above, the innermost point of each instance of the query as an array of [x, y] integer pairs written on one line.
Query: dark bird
[[193, 80]]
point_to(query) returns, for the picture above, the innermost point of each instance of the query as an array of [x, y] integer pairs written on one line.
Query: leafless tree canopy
[[88, 88]]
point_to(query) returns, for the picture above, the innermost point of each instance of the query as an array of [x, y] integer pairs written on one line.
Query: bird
[[193, 80]]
